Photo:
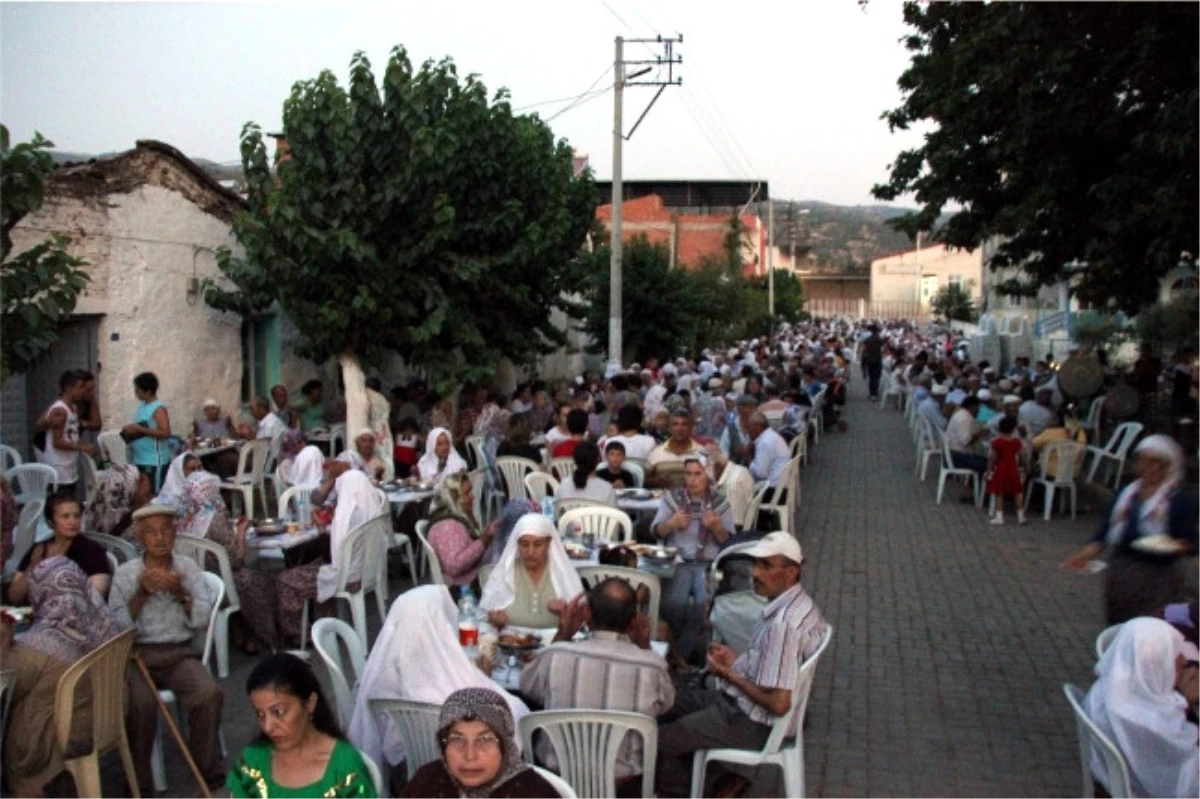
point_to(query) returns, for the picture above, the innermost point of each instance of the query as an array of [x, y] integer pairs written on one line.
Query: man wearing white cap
[[754, 688], [932, 407], [1010, 404], [1036, 414]]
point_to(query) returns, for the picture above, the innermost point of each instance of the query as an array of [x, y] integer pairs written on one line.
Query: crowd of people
[[709, 432]]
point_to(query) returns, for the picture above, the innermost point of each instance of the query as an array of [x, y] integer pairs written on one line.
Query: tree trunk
[[355, 381]]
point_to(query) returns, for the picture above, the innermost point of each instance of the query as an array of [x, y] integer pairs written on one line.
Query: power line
[[586, 91], [580, 101]]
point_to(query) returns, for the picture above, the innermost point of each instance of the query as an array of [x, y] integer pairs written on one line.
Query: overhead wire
[[573, 98]]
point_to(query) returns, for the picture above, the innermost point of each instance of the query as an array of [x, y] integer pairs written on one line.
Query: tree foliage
[[1067, 130], [419, 216], [953, 303], [1171, 325], [40, 285]]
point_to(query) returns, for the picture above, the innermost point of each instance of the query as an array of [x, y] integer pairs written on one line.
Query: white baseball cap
[[777, 544]]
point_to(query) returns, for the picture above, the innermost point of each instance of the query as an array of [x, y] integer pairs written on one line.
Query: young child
[[1004, 470], [614, 470], [406, 449]]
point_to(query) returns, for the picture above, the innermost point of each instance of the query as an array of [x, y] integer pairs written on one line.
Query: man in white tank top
[[62, 445]]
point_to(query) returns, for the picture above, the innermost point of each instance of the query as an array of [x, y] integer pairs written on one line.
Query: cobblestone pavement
[[952, 636]]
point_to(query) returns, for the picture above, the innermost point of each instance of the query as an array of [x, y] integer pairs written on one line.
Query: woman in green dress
[[302, 752], [534, 578]]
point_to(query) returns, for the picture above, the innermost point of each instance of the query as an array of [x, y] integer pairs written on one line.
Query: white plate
[[1159, 544]]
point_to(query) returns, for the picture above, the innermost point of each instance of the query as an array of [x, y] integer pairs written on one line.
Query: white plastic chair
[[124, 550], [367, 544], [1114, 451], [197, 548], [888, 391], [23, 539], [638, 471], [950, 470], [87, 475], [562, 468], [602, 521], [1065, 454], [216, 592], [784, 501], [35, 480], [592, 575], [113, 447], [252, 462], [816, 419], [9, 457], [1094, 419], [328, 635], [565, 791], [787, 753], [375, 773], [432, 564], [928, 446], [799, 445], [488, 503], [733, 613], [1105, 638], [1116, 775], [301, 498], [474, 445], [586, 744], [417, 724], [539, 485], [513, 470]]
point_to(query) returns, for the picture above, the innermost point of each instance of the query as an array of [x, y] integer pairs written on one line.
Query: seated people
[[1137, 703], [583, 482], [166, 598], [363, 457], [577, 428], [756, 686], [311, 411], [516, 443], [404, 448], [1063, 428], [615, 669], [70, 619], [64, 514], [1036, 414], [440, 459], [417, 657], [698, 521], [665, 461], [302, 751], [770, 452], [267, 424], [308, 469], [455, 534], [560, 432], [213, 425], [175, 481], [480, 755], [613, 471], [534, 578], [637, 444], [120, 490]]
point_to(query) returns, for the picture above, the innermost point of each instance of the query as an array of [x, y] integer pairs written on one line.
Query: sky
[[777, 90]]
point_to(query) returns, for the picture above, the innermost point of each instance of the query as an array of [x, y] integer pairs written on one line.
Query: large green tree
[[421, 216], [39, 286], [1068, 130]]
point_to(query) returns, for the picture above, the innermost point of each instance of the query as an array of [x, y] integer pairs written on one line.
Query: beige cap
[[211, 403], [153, 510], [777, 544]]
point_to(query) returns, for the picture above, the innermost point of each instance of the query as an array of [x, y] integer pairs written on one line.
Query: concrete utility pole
[[770, 257], [669, 60]]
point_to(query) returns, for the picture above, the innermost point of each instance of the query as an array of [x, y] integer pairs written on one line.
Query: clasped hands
[[155, 581]]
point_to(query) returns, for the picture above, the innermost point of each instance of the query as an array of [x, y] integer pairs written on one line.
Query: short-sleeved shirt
[[86, 553], [788, 633]]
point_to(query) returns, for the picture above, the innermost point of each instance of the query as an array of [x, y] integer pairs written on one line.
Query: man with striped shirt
[[754, 688]]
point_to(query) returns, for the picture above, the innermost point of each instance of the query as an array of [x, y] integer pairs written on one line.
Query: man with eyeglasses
[[755, 687]]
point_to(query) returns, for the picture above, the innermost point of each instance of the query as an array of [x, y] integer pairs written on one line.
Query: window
[[955, 280], [260, 355]]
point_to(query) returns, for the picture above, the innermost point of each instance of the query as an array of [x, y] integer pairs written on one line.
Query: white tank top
[[65, 462]]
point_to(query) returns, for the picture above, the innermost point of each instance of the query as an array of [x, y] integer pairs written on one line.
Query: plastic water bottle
[[304, 511], [468, 627], [548, 508]]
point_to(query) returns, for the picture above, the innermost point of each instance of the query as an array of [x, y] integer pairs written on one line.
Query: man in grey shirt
[[166, 598]]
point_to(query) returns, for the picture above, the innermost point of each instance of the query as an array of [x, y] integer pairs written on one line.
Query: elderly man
[[756, 687], [166, 598], [615, 669], [735, 440], [771, 453], [267, 424], [671, 454], [932, 408], [1010, 405], [1036, 414], [963, 435]]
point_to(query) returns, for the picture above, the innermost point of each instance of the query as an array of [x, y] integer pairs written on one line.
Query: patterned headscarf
[[480, 704], [70, 618], [447, 504], [115, 487], [200, 503]]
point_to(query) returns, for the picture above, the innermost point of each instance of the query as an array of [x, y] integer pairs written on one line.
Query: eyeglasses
[[484, 744]]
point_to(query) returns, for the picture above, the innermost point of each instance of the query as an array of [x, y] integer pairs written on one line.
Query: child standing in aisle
[[1004, 470]]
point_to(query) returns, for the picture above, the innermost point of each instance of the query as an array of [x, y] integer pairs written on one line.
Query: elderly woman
[[1151, 526], [454, 533], [120, 490], [480, 756], [1135, 701], [364, 458], [534, 578], [308, 469], [301, 751], [70, 619], [440, 459], [175, 483], [357, 502], [699, 521], [417, 657]]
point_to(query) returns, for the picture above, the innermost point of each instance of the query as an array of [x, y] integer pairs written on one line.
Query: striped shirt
[[788, 633], [606, 672]]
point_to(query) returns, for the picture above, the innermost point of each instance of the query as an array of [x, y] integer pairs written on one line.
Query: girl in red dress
[[1004, 470]]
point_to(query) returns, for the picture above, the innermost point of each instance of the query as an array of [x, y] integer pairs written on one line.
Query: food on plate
[[519, 641]]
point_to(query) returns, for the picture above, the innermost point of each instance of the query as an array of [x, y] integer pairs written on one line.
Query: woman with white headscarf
[[440, 458], [1135, 703], [534, 578], [416, 657], [1151, 526], [364, 457], [174, 486], [309, 468]]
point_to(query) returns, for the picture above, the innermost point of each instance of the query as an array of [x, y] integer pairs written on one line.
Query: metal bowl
[[270, 526], [422, 486], [663, 556]]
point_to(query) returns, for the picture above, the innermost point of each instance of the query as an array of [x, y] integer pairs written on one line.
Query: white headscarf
[[1134, 702], [308, 468], [358, 501], [1155, 511], [174, 486], [427, 467], [416, 657], [499, 593]]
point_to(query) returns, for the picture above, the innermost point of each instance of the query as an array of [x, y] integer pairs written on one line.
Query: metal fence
[[866, 309]]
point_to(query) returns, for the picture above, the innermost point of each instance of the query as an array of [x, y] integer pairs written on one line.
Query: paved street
[[952, 637]]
